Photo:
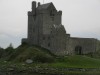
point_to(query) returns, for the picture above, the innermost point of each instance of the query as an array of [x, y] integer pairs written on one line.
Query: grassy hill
[[35, 53], [14, 60], [45, 58]]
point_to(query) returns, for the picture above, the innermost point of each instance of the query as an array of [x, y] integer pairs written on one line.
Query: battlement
[[60, 12], [30, 13]]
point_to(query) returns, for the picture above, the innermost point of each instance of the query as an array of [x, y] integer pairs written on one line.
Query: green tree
[[8, 51], [1, 52]]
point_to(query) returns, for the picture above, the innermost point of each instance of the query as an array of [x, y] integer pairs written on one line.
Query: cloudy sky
[[81, 18]]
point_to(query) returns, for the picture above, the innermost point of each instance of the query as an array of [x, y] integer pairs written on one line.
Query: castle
[[45, 29]]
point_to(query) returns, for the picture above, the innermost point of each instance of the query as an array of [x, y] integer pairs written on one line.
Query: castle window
[[52, 18], [48, 44], [48, 38], [51, 31], [51, 13], [34, 30], [43, 38]]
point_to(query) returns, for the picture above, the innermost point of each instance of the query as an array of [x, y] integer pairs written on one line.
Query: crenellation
[[60, 12], [30, 13]]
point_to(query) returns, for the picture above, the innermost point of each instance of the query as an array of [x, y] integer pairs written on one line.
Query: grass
[[44, 68], [77, 61], [45, 61], [44, 58], [35, 53]]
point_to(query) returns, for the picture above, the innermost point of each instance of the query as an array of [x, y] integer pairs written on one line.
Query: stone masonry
[[45, 29]]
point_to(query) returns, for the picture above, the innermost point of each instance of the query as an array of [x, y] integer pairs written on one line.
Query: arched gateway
[[78, 50]]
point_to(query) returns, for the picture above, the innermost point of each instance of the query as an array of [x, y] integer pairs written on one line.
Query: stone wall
[[86, 45]]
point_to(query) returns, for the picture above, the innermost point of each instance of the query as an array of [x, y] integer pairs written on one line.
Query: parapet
[[60, 12], [68, 35], [29, 13], [24, 41]]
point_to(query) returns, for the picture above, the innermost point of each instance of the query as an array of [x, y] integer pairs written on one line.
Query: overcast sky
[[81, 18]]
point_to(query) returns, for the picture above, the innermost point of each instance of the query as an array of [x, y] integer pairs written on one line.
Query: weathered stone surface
[[45, 29]]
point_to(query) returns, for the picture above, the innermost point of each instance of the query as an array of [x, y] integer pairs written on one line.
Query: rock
[[29, 61]]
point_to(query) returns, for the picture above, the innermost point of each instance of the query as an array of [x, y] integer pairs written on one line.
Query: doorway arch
[[78, 50]]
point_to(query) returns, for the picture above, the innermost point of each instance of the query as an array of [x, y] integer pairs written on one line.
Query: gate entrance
[[78, 50]]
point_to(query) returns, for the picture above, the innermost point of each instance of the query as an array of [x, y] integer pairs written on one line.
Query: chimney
[[34, 7], [39, 3]]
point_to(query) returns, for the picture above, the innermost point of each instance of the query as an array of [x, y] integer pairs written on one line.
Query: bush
[[8, 51], [1, 52]]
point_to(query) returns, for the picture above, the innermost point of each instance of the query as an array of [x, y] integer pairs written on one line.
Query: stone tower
[[45, 29]]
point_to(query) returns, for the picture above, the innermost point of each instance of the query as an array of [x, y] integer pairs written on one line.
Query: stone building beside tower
[[45, 29]]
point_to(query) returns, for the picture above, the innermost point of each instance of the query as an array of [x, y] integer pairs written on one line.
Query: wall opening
[[48, 44], [78, 50], [43, 38]]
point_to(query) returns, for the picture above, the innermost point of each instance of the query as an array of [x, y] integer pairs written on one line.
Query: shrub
[[8, 51]]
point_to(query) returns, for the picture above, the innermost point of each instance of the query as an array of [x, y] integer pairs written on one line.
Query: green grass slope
[[35, 53], [77, 61], [47, 59]]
